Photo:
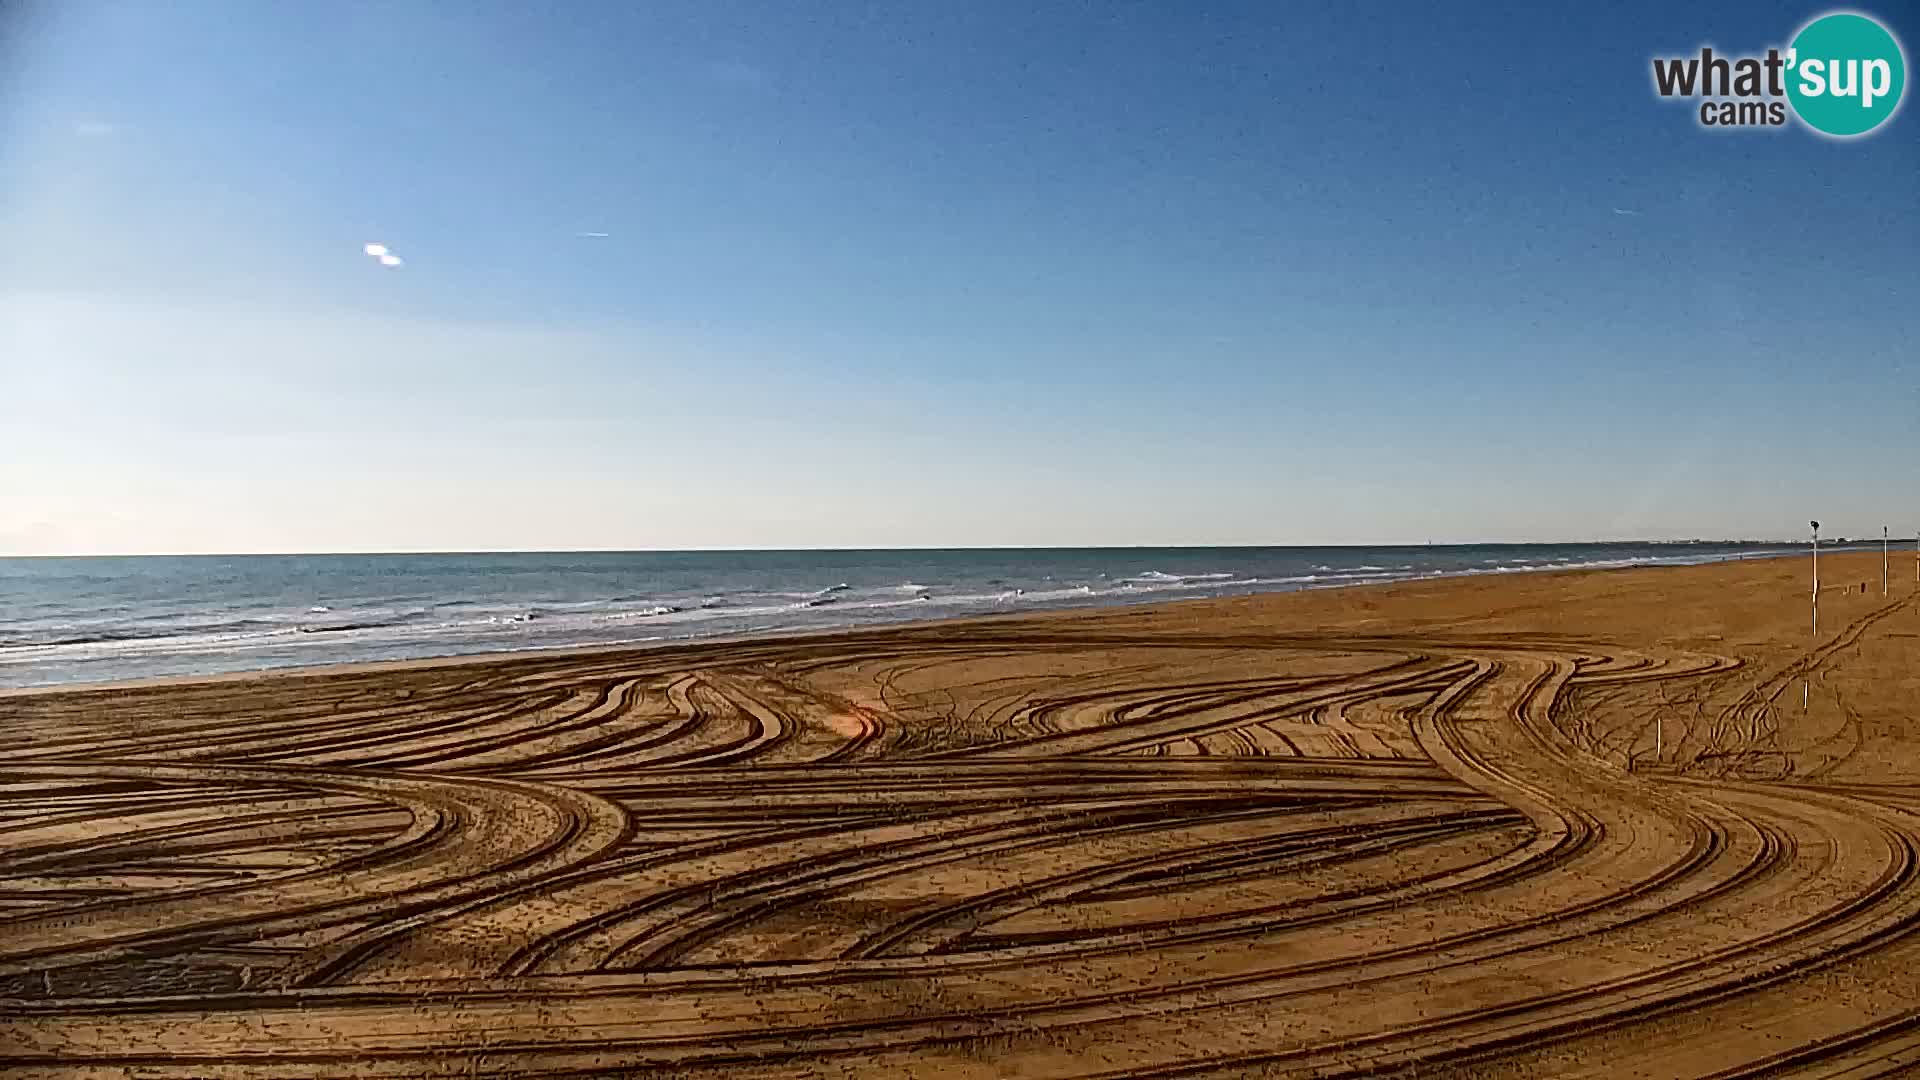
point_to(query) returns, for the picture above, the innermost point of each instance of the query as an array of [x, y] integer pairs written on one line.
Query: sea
[[88, 619]]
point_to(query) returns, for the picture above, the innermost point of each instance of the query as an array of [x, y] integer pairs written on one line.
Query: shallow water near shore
[[66, 620]]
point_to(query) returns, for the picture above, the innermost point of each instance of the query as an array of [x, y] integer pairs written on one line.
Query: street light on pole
[[1806, 685], [1816, 578]]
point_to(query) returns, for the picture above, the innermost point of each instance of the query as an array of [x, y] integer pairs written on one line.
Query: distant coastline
[[1825, 542]]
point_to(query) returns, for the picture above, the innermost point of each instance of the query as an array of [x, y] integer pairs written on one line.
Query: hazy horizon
[[731, 276], [1825, 539]]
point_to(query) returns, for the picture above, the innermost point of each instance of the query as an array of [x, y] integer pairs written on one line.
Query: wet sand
[[1573, 823]]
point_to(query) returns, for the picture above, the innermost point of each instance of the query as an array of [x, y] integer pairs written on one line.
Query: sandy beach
[[1588, 823]]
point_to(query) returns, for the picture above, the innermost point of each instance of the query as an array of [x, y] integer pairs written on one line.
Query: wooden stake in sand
[[1883, 560]]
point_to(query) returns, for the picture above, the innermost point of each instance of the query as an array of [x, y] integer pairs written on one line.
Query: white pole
[[1883, 560], [1806, 685]]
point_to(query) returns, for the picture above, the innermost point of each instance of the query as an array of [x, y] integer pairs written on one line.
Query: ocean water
[[68, 620]]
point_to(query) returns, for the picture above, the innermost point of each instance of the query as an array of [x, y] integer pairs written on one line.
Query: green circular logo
[[1845, 74]]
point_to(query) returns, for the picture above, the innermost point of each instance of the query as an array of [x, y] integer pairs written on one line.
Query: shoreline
[[692, 644]]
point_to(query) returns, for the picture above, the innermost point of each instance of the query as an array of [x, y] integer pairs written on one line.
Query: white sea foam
[[643, 613]]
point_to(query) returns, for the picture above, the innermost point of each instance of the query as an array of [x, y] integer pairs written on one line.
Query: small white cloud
[[389, 260], [375, 250], [93, 129], [592, 235], [1626, 213]]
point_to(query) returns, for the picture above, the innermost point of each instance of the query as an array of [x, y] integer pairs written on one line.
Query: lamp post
[[1806, 685], [1816, 578]]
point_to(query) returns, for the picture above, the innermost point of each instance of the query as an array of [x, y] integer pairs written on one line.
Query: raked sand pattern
[[1574, 824]]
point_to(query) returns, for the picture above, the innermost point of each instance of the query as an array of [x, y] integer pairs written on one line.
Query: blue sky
[[932, 274]]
